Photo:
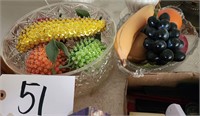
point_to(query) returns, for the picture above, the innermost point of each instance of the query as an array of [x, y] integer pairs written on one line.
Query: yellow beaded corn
[[59, 29]]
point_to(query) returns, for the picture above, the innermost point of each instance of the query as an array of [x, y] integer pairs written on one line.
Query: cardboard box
[[164, 79], [170, 81]]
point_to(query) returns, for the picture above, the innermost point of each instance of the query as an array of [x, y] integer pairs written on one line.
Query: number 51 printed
[[36, 95]]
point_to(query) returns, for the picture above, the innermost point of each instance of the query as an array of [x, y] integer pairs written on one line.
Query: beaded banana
[[59, 29], [86, 51]]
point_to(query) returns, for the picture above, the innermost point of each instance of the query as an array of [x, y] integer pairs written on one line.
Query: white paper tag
[[34, 95]]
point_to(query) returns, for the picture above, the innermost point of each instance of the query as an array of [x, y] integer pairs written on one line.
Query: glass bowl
[[138, 70], [88, 77]]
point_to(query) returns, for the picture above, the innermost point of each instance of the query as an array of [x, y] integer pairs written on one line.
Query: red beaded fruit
[[37, 62]]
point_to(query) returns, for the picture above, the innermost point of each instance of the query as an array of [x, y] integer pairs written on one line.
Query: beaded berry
[[86, 51]]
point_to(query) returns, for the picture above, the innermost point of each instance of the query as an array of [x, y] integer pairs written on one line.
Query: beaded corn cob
[[59, 29], [86, 51]]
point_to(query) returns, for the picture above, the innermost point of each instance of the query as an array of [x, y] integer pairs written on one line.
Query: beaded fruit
[[37, 62], [86, 51], [175, 16], [56, 46], [59, 29]]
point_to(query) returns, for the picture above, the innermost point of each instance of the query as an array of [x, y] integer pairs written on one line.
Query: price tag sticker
[[36, 95]]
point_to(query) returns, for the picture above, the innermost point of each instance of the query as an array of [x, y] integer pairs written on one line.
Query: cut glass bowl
[[138, 70], [88, 77]]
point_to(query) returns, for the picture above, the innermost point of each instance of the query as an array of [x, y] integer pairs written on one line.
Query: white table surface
[[110, 96]]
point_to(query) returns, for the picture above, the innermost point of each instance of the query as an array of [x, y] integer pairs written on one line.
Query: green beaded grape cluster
[[86, 51]]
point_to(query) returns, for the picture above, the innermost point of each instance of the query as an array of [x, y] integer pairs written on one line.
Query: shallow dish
[[138, 70], [88, 77]]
